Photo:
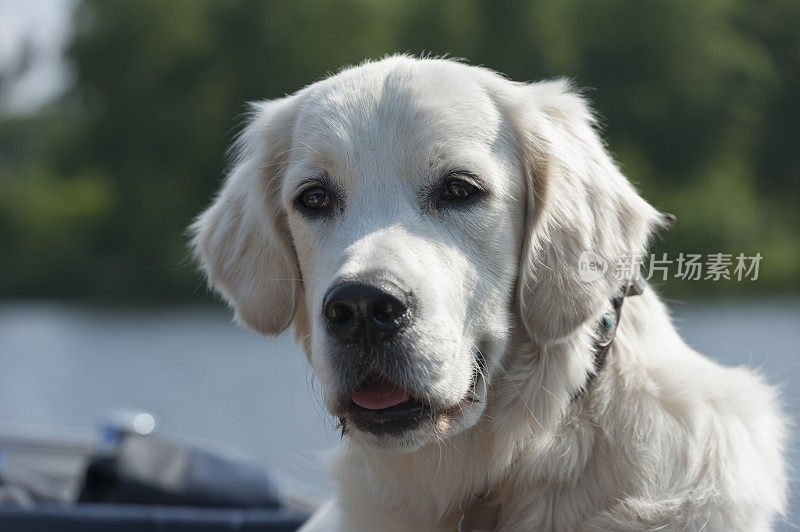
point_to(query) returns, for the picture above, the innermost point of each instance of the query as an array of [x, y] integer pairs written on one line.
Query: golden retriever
[[420, 223]]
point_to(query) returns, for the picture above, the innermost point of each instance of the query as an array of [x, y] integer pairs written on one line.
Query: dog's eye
[[459, 190], [315, 198]]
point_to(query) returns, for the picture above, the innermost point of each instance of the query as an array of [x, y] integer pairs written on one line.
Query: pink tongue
[[379, 394]]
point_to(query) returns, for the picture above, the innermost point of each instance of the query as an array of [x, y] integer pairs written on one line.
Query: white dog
[[420, 223]]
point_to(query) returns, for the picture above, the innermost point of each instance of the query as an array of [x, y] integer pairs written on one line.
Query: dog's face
[[407, 242], [393, 213]]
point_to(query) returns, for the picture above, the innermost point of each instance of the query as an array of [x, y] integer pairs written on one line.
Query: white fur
[[664, 439]]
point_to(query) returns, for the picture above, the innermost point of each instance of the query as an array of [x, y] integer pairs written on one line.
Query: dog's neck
[[534, 435]]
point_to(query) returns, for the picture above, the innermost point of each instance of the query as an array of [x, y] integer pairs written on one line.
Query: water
[[205, 380], [209, 382]]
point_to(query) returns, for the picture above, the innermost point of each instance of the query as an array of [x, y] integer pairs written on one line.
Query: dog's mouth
[[379, 394], [383, 407]]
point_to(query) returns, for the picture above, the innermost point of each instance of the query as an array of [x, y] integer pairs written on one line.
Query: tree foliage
[[701, 102]]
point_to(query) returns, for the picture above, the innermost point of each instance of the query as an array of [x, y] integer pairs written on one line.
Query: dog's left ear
[[577, 202], [242, 241]]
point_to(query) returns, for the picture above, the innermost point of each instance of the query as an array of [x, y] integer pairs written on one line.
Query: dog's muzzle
[[367, 318]]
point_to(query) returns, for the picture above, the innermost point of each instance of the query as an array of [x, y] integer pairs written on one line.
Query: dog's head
[[411, 218]]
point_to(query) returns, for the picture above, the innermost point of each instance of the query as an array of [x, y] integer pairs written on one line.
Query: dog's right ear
[[241, 240], [578, 204]]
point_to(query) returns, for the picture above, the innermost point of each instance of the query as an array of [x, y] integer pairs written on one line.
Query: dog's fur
[[662, 439]]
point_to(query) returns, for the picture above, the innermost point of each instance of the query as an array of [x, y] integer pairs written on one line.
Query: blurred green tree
[[701, 102]]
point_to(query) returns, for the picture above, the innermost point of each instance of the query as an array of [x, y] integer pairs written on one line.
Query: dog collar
[[607, 329]]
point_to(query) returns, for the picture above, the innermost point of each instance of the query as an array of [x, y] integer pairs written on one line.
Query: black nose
[[357, 312]]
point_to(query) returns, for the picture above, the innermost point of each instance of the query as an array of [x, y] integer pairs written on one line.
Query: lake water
[[211, 383]]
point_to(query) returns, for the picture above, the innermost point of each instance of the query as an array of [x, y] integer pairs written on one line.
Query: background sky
[[41, 25]]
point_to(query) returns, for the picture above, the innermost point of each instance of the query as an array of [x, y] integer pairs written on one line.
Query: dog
[[420, 223]]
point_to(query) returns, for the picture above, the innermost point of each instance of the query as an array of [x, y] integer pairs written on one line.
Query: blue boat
[[125, 478]]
